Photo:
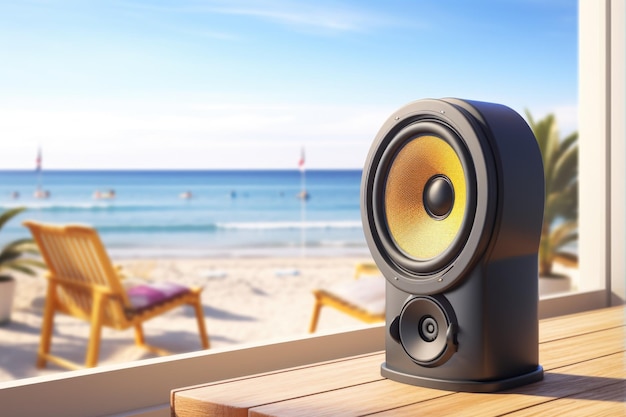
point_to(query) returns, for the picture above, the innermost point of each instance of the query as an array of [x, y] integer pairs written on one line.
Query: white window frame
[[142, 388], [601, 114]]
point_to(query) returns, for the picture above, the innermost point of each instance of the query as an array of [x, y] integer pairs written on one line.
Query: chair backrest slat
[[78, 261], [86, 262]]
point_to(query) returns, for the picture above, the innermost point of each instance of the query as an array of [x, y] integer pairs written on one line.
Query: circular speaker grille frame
[[412, 132], [473, 146]]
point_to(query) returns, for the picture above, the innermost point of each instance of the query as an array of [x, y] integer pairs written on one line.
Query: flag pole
[[39, 192], [38, 168], [303, 197]]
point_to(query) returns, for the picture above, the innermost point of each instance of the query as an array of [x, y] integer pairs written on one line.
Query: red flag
[[301, 161]]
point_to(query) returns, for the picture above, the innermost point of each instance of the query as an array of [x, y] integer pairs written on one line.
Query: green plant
[[560, 221], [13, 255]]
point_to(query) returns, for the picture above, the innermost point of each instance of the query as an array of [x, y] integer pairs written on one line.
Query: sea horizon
[[196, 213]]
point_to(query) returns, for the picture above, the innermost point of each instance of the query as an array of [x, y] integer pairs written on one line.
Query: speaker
[[452, 199]]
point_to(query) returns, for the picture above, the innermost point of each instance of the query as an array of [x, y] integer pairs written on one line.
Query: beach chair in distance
[[363, 298], [83, 283], [366, 268]]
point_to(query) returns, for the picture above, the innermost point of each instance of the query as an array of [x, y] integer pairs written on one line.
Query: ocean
[[196, 213]]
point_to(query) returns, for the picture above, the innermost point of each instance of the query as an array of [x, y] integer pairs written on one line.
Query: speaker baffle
[[426, 328]]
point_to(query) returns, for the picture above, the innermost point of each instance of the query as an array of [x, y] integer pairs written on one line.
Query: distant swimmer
[[186, 195], [15, 195], [39, 193], [104, 195]]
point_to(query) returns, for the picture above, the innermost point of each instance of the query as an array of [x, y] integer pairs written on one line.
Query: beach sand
[[244, 299]]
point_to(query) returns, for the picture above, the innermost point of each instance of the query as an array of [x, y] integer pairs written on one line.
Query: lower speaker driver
[[427, 334]]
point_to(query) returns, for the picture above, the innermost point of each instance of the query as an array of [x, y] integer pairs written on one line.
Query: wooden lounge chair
[[82, 282], [363, 299]]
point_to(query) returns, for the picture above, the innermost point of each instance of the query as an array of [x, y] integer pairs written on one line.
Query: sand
[[244, 299]]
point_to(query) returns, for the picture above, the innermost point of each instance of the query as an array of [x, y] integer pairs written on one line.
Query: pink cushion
[[147, 295]]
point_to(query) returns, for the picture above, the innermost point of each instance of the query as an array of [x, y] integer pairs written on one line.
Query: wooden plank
[[578, 352], [574, 349], [353, 401], [376, 397], [234, 398], [571, 381], [607, 401], [580, 323]]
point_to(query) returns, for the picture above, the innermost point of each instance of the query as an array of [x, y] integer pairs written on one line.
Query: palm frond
[[565, 145], [23, 265], [539, 131], [34, 263], [560, 206], [568, 142], [18, 248], [565, 169], [567, 258], [546, 134], [560, 161], [8, 255], [529, 116], [23, 245], [569, 198], [563, 234], [563, 205], [566, 240], [12, 254], [9, 214]]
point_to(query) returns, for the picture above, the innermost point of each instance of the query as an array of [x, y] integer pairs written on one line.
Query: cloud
[[305, 16], [301, 16]]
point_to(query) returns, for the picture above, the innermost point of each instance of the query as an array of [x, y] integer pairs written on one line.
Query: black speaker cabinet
[[452, 207]]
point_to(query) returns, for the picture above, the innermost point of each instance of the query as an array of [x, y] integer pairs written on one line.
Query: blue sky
[[210, 84]]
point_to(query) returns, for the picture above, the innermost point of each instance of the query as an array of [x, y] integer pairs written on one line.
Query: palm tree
[[560, 218], [12, 254]]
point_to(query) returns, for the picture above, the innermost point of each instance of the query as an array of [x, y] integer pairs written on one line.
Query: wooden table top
[[583, 356]]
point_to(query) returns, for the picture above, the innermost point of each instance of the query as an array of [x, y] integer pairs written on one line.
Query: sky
[[246, 84]]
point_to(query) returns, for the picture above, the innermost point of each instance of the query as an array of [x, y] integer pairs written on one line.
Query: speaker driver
[[425, 197], [425, 218], [427, 333]]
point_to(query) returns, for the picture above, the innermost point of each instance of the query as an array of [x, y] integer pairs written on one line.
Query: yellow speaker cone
[[425, 197]]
